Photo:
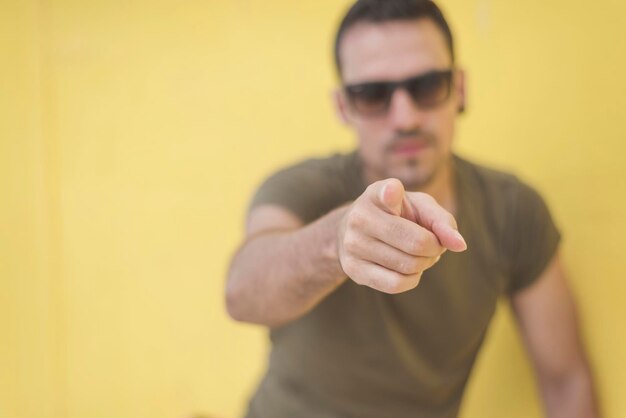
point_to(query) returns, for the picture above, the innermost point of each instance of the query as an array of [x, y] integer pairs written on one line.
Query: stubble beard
[[413, 175]]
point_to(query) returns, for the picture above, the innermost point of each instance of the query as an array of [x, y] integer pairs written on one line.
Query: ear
[[341, 106], [459, 86]]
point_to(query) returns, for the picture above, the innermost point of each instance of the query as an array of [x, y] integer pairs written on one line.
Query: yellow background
[[132, 135]]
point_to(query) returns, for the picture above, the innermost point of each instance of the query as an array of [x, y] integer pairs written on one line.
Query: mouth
[[409, 147]]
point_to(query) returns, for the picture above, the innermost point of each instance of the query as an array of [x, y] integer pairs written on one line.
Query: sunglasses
[[372, 99]]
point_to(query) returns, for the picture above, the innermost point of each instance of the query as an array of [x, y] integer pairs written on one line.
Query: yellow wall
[[133, 133]]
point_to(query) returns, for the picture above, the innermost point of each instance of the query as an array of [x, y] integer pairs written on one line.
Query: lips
[[409, 147]]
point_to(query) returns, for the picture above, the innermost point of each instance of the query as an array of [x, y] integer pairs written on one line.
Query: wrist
[[330, 247]]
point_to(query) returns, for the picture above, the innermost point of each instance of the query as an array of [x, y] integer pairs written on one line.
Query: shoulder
[[525, 230], [498, 187], [486, 177], [315, 174], [310, 187], [330, 164]]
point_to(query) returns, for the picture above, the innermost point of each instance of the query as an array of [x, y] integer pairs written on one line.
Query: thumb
[[391, 196]]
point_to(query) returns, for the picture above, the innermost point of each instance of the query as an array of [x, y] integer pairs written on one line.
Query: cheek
[[443, 127], [372, 139]]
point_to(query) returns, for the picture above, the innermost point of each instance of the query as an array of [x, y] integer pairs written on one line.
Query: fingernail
[[458, 235], [382, 193]]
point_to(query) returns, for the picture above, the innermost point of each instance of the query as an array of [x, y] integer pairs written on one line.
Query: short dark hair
[[380, 11]]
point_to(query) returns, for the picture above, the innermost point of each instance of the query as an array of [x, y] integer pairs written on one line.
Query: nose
[[403, 111]]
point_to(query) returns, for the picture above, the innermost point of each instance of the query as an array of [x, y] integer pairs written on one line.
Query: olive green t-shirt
[[362, 353]]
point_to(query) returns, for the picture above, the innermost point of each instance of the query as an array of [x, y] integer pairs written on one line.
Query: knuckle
[[415, 266], [350, 241], [402, 267], [358, 280], [350, 268], [430, 261], [372, 188], [449, 219], [412, 281], [368, 280], [395, 284], [417, 278], [377, 282], [409, 266], [425, 197], [397, 229], [417, 244], [390, 288], [424, 263], [356, 219]]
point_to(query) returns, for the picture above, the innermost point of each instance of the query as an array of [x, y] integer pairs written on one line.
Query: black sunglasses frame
[[386, 89]]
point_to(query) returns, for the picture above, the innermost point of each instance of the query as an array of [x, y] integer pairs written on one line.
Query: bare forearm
[[571, 396], [277, 277]]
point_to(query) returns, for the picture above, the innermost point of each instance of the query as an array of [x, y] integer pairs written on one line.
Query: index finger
[[435, 218], [405, 235]]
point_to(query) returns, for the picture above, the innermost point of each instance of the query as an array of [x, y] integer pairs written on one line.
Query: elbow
[[240, 303], [233, 303], [571, 387], [241, 309], [234, 295]]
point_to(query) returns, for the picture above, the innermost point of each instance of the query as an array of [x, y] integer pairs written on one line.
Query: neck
[[442, 187]]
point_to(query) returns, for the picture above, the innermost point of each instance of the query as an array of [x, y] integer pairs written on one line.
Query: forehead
[[392, 50]]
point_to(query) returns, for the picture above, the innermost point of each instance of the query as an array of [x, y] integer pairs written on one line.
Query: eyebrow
[[396, 82]]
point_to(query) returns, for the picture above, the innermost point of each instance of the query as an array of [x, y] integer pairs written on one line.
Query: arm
[[383, 240], [283, 268], [546, 315]]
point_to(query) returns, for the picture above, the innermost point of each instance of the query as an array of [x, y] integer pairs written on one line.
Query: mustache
[[414, 135]]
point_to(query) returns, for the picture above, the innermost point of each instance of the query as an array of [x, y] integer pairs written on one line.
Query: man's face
[[408, 142]]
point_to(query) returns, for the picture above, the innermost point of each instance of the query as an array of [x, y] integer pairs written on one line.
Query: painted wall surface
[[132, 135]]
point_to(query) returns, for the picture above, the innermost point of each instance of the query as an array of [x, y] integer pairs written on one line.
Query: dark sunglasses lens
[[369, 99], [431, 89]]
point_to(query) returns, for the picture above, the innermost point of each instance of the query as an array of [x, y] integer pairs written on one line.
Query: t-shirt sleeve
[[531, 238], [307, 189]]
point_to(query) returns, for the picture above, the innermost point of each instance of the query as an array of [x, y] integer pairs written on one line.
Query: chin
[[416, 184], [414, 181], [413, 175]]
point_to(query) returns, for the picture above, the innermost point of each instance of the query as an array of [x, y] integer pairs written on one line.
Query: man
[[336, 247]]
